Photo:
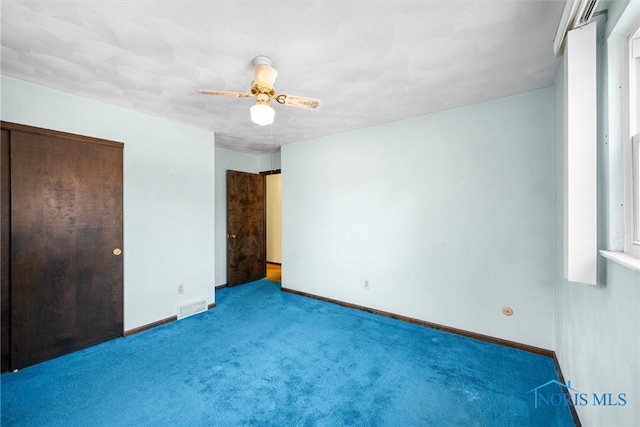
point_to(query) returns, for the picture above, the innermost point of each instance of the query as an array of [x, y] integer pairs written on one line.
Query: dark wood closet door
[[66, 222], [246, 232]]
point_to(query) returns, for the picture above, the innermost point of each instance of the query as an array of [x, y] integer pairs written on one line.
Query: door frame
[[266, 195]]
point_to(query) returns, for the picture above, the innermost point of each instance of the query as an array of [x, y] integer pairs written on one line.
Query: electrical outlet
[[181, 288], [366, 284]]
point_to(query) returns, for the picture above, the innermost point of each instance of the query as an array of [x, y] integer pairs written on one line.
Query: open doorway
[[273, 225]]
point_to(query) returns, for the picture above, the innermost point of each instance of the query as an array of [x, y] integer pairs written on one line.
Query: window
[[622, 138], [631, 149]]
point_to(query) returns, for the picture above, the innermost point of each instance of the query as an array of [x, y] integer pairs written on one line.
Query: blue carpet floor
[[269, 358]]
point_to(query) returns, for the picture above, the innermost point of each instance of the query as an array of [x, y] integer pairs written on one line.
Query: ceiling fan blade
[[299, 101], [223, 93], [265, 76]]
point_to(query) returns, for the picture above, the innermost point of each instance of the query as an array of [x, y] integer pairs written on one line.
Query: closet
[[61, 254]]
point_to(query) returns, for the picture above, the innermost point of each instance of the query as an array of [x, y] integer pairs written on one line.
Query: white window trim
[[622, 258]]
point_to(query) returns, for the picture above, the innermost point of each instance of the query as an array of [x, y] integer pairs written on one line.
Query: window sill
[[623, 258]]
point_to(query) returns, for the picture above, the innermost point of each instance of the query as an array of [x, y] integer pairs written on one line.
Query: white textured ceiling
[[370, 62]]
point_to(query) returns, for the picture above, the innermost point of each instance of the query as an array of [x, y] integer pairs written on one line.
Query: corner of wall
[[595, 327]]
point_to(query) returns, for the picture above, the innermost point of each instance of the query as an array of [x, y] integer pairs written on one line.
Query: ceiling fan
[[262, 88]]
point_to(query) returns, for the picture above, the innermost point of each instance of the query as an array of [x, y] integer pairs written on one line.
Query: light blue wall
[[448, 216], [598, 327], [168, 194]]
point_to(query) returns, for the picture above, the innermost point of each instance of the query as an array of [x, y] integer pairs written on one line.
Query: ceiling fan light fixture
[[261, 112], [262, 88]]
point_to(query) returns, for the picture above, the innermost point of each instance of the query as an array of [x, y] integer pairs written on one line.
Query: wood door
[[66, 222], [246, 232]]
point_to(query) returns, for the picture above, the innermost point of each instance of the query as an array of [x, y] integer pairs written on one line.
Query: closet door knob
[[117, 251]]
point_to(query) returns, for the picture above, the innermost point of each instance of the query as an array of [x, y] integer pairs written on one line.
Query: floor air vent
[[192, 308]]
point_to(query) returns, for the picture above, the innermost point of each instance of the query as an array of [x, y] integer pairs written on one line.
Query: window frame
[[631, 142], [617, 166]]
